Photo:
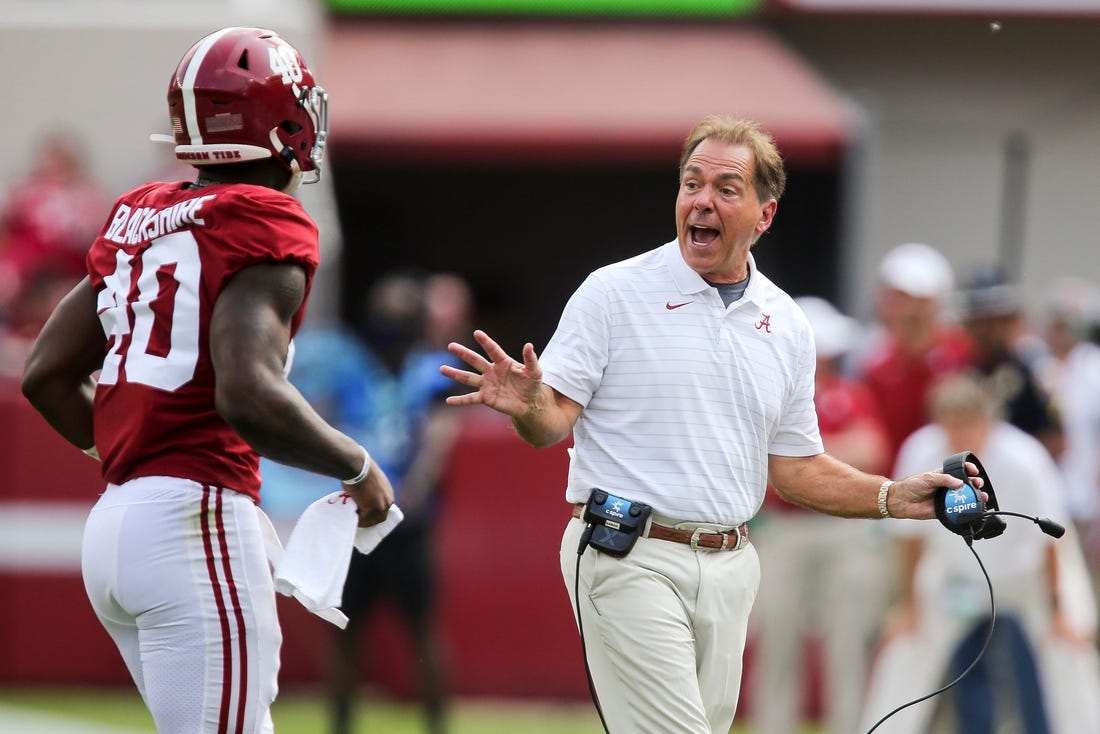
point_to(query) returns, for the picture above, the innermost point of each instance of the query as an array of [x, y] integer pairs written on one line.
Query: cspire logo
[[958, 501]]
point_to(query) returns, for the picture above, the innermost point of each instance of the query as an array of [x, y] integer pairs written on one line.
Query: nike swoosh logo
[[671, 306]]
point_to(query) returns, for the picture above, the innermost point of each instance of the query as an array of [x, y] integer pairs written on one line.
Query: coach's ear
[[767, 214]]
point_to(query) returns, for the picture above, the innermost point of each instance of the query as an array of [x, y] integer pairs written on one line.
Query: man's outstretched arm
[[542, 416]]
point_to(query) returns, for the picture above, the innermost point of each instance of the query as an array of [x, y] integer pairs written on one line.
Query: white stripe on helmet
[[188, 85]]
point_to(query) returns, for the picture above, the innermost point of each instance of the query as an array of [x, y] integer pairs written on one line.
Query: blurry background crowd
[[939, 229]]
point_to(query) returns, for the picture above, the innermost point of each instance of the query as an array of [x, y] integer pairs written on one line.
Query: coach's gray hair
[[769, 177]]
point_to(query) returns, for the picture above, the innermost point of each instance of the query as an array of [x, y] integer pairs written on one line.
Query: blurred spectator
[[1071, 374], [40, 293], [917, 344], [814, 587], [383, 387], [49, 220], [1072, 321], [448, 308], [991, 311], [943, 615]]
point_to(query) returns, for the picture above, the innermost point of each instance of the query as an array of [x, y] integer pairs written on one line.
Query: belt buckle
[[699, 532]]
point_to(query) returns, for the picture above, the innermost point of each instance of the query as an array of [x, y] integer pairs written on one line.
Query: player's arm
[[249, 340], [57, 379]]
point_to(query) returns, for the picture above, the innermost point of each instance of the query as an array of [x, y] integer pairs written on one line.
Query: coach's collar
[[690, 282]]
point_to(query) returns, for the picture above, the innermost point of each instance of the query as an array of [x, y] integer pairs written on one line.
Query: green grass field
[[303, 714], [294, 713]]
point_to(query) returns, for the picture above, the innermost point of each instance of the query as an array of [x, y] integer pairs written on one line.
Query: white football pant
[[178, 575]]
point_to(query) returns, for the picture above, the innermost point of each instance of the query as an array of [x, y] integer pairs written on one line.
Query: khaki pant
[[664, 629]]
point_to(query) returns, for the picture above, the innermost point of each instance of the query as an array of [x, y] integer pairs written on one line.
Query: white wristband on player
[[362, 472]]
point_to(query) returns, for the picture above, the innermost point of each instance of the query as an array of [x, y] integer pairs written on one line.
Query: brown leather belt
[[698, 538]]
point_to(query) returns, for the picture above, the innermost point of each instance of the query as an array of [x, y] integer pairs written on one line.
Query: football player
[[194, 291]]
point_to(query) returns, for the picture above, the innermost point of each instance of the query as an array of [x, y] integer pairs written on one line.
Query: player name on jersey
[[131, 226]]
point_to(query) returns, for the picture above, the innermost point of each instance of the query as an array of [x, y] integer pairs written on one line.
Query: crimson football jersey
[[901, 383], [158, 266]]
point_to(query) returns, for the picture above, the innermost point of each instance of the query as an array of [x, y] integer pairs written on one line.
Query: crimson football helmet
[[243, 94]]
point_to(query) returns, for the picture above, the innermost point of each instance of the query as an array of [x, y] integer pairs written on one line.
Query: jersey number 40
[[152, 323]]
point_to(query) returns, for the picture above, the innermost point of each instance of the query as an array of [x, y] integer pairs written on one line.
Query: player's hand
[[914, 496], [373, 497], [500, 382]]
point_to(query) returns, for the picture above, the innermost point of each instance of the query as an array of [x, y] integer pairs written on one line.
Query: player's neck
[[258, 173]]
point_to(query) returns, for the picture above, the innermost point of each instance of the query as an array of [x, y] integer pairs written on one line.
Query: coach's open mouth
[[703, 235]]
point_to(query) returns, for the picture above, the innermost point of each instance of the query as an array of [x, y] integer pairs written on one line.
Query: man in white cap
[[919, 345]]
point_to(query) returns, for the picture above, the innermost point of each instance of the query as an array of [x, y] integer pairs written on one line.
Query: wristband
[[882, 493], [362, 472]]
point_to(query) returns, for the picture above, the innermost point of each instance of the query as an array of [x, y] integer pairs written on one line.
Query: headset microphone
[[1045, 524], [966, 512]]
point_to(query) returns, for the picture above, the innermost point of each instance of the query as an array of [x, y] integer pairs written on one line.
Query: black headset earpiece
[[964, 510]]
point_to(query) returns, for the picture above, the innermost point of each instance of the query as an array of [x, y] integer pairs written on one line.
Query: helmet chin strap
[[295, 179], [295, 169]]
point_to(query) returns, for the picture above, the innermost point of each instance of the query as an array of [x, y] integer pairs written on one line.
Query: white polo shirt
[[683, 398]]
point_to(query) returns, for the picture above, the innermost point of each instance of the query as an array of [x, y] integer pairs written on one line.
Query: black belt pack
[[614, 523]]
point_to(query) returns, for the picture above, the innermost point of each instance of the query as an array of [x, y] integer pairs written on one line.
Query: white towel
[[314, 565]]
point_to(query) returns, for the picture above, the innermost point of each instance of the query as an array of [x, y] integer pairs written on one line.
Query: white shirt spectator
[[952, 593], [1077, 395], [1025, 480]]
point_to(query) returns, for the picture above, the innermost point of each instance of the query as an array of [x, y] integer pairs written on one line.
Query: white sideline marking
[[25, 721], [40, 536]]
